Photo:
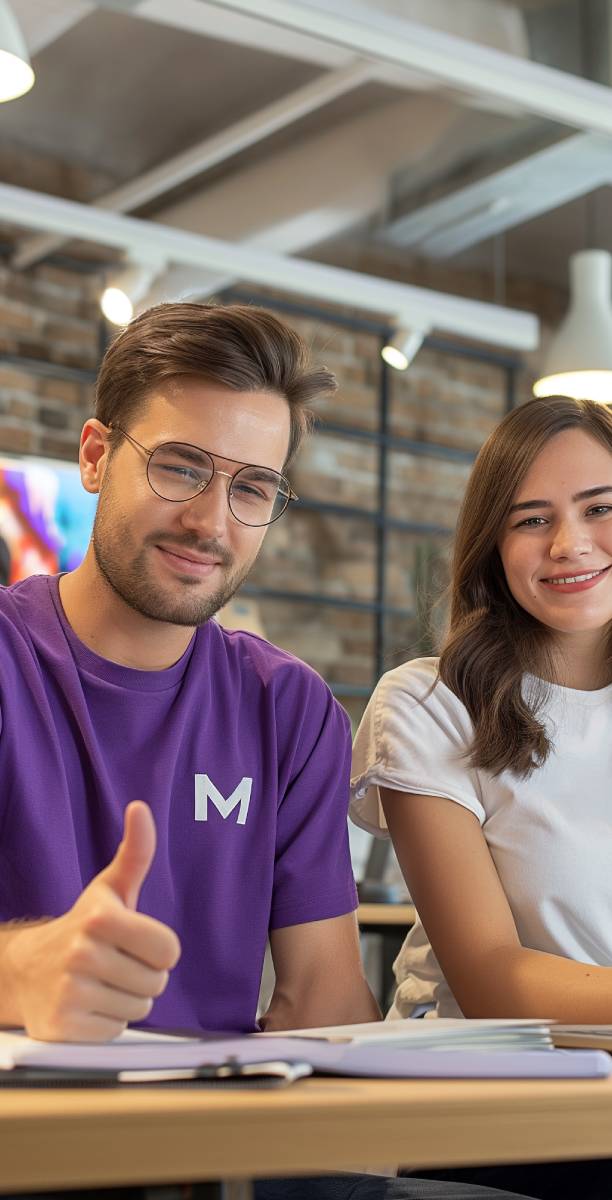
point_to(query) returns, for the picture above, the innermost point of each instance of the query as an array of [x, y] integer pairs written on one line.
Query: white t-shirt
[[550, 835]]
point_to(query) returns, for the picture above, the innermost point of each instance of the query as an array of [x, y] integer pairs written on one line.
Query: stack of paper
[[446, 1048], [597, 1036], [441, 1033]]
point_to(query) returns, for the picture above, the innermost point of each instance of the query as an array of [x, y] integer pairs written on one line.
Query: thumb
[[130, 866]]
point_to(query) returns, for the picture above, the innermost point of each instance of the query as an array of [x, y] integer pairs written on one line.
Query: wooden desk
[[96, 1138]]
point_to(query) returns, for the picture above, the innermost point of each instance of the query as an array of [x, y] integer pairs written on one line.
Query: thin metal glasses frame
[[289, 497]]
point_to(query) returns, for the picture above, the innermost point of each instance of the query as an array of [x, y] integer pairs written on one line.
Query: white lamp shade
[[16, 74], [579, 359]]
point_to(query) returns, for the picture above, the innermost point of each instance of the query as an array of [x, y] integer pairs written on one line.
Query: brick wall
[[49, 347], [49, 342]]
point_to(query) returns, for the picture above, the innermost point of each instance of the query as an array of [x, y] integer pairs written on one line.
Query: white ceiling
[[335, 131]]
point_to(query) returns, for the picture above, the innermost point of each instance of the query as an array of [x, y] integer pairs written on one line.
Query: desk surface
[[100, 1138]]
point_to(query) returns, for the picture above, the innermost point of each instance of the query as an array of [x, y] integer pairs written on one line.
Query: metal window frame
[[385, 441]]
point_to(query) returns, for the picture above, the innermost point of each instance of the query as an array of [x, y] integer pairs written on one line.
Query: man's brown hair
[[239, 346]]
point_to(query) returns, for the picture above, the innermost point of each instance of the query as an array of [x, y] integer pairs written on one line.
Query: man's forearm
[[316, 1004], [319, 976]]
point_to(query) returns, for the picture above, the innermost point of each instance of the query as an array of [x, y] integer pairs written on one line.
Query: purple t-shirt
[[242, 754]]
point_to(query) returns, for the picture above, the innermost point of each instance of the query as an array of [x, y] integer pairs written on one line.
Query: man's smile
[[188, 562]]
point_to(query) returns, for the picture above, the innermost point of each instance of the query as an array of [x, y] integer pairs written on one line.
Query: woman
[[492, 766]]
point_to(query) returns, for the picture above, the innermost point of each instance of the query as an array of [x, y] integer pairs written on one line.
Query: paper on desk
[[155, 1052], [389, 1062], [132, 1049], [598, 1036], [520, 1033]]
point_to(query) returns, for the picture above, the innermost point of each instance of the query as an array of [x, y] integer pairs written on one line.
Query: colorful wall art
[[46, 517]]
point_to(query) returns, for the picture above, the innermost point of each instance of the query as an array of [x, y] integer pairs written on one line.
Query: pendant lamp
[[16, 74], [579, 359]]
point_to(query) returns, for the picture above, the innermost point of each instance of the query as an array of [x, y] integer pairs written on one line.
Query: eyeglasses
[[177, 471]]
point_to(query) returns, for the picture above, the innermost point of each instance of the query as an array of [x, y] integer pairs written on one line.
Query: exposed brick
[[59, 447], [71, 284], [16, 316], [17, 440], [20, 407], [11, 377], [72, 333], [55, 418], [66, 390]]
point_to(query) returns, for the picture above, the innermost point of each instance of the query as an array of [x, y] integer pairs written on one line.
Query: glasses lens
[[258, 496], [177, 471]]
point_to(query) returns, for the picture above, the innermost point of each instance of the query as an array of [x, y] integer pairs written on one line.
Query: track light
[[400, 350], [124, 288], [16, 74], [180, 283], [579, 360]]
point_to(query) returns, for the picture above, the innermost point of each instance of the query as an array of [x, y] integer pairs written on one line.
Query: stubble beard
[[132, 580]]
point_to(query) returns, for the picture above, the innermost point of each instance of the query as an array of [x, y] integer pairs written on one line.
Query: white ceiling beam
[[196, 15], [501, 25], [297, 196], [42, 25], [286, 188], [144, 240], [506, 198], [213, 150], [199, 17], [453, 61]]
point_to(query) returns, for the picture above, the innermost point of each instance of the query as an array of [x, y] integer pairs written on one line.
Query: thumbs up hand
[[83, 976], [128, 870]]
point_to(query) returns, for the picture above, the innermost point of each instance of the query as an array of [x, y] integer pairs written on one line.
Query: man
[[130, 718], [121, 688]]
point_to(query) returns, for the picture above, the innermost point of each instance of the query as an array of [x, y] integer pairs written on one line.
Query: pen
[[231, 1069]]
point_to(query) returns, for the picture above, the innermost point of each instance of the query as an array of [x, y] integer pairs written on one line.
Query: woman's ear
[[93, 454]]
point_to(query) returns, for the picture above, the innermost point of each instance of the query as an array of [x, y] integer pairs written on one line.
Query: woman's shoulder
[[418, 681], [415, 736], [413, 697]]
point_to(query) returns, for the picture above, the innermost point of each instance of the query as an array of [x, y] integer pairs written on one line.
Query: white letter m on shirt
[[205, 790]]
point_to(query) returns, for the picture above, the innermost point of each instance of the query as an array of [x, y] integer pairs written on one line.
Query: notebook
[[137, 1051]]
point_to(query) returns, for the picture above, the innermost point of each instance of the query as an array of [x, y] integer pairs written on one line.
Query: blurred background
[[406, 173]]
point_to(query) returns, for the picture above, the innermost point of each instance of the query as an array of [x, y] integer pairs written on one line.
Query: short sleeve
[[313, 877], [415, 736]]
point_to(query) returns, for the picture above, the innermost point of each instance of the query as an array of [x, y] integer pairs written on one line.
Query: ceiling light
[[400, 350], [124, 289], [16, 74], [579, 359]]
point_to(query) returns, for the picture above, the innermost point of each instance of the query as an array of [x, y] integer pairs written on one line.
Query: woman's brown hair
[[492, 640], [239, 346]]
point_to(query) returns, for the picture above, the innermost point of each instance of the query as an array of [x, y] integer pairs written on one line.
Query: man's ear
[[93, 454]]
